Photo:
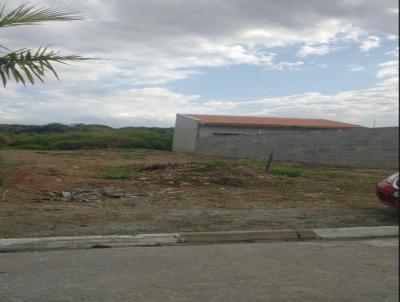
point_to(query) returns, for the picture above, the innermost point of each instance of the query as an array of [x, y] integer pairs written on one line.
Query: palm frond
[[28, 14], [26, 65]]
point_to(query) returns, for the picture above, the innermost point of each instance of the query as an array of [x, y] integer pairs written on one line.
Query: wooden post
[[269, 162]]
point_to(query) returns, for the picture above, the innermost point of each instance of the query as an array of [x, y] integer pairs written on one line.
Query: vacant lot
[[47, 193]]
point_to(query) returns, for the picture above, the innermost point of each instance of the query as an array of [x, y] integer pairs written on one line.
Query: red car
[[388, 191]]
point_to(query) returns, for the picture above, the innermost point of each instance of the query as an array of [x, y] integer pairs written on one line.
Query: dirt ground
[[179, 193]]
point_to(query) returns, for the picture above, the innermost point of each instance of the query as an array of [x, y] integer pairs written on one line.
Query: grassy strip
[[286, 171]]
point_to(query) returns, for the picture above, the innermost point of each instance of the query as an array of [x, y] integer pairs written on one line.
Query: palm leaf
[[27, 65], [27, 14]]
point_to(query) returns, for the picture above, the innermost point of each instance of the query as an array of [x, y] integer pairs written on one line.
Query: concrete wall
[[185, 134], [360, 147], [210, 130]]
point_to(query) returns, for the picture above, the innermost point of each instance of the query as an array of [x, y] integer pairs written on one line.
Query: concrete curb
[[241, 236], [360, 232], [84, 242]]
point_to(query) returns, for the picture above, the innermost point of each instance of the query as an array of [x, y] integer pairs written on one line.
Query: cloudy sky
[[335, 59]]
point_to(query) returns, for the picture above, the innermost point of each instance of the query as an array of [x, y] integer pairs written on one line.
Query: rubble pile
[[93, 195]]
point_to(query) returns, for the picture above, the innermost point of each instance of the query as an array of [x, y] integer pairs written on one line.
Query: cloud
[[392, 37], [355, 67], [146, 44], [111, 106], [369, 43], [379, 103], [160, 41], [157, 106], [288, 65], [394, 52], [314, 50], [389, 69]]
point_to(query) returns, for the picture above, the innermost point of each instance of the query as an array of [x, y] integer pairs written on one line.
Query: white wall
[[185, 134]]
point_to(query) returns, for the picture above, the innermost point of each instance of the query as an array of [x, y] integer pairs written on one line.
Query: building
[[188, 127]]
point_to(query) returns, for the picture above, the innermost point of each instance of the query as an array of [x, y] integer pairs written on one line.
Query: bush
[[4, 140], [60, 137], [287, 171]]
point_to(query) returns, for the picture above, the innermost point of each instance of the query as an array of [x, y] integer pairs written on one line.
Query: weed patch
[[286, 171], [119, 173]]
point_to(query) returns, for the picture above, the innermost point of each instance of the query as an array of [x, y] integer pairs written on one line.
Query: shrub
[[4, 140], [89, 138]]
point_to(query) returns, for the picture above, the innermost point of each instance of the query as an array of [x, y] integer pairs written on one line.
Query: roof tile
[[268, 121]]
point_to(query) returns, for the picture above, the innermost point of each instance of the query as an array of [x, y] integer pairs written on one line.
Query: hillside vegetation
[[80, 136]]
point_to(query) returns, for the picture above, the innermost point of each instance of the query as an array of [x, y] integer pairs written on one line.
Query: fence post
[[269, 162]]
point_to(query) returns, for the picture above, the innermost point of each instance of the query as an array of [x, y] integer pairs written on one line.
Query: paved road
[[357, 270]]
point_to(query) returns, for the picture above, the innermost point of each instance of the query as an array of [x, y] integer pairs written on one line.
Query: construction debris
[[93, 195]]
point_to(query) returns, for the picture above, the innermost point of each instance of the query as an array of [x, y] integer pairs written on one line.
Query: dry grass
[[188, 193]]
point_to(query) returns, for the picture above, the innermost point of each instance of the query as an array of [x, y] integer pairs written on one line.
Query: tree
[[27, 65]]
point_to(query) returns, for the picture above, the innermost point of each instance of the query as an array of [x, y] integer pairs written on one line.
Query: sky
[[335, 59]]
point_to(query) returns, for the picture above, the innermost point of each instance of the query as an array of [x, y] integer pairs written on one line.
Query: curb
[[142, 240], [360, 232], [85, 242]]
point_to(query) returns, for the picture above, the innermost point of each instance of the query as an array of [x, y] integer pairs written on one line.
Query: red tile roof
[[268, 121]]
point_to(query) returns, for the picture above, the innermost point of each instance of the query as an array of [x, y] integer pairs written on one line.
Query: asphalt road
[[357, 270]]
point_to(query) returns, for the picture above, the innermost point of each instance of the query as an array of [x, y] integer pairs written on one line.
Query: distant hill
[[82, 136]]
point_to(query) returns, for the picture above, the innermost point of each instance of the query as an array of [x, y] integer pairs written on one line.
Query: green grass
[[119, 173], [286, 171]]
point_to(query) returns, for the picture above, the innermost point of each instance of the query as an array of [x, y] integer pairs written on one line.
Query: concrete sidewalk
[[84, 242]]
